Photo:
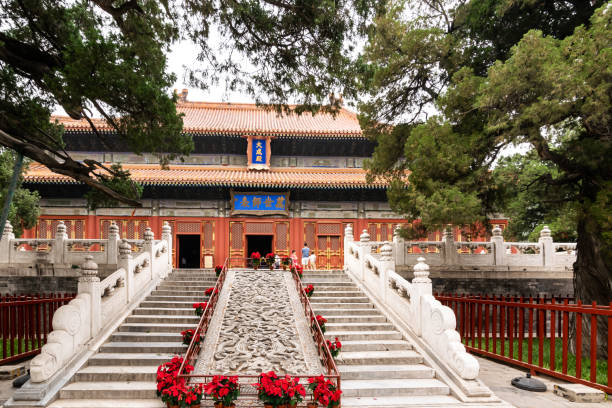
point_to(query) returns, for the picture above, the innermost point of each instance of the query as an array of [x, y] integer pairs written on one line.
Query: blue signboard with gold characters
[[260, 203], [258, 151]]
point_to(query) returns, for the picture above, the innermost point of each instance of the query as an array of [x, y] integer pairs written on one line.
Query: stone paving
[[497, 376]]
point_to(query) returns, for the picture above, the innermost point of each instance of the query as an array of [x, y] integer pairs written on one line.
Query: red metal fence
[[25, 321], [538, 334]]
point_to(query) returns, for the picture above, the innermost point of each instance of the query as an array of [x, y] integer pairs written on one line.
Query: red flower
[[209, 291], [308, 291], [256, 255]]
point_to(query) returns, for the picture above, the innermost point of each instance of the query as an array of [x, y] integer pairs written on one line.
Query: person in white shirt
[[312, 261]]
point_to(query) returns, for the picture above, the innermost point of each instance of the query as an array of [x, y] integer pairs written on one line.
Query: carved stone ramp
[[258, 326], [122, 373], [378, 365]]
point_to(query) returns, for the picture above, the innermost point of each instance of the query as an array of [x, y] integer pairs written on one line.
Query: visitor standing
[[305, 255], [294, 259], [312, 261]]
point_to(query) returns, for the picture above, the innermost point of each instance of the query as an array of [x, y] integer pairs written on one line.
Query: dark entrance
[[188, 251], [259, 243]]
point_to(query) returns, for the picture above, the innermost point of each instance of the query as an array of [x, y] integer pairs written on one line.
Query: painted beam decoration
[[260, 203]]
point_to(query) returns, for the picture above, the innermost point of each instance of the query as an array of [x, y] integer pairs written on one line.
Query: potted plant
[[173, 395], [223, 390], [188, 336], [167, 375], [218, 270], [192, 397], [285, 262], [256, 260], [324, 392], [209, 291], [270, 259], [295, 392], [334, 347], [269, 390], [321, 321], [308, 290], [199, 308], [299, 269]]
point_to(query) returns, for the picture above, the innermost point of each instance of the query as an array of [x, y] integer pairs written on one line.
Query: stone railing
[[412, 302], [101, 304], [544, 253]]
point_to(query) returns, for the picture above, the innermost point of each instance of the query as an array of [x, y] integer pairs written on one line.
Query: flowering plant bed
[[223, 389], [286, 261], [188, 335], [169, 387], [308, 290], [209, 291], [334, 347], [299, 269], [192, 396], [199, 308], [324, 391], [270, 258], [275, 391], [321, 320], [218, 270], [256, 259]]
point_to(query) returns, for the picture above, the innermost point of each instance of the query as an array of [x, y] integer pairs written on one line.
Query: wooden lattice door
[[237, 241], [329, 252], [281, 241]]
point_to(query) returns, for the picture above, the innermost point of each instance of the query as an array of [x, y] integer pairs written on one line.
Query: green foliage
[[24, 209], [119, 182]]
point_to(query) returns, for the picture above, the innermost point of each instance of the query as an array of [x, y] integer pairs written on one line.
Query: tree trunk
[[593, 278]]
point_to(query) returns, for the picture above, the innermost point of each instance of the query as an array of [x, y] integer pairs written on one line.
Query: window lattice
[[259, 228], [236, 236], [188, 228], [282, 236], [330, 229], [208, 235]]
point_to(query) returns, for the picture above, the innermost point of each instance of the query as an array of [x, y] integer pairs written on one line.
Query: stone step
[[403, 401], [129, 359], [371, 318], [393, 387], [117, 373], [374, 345], [179, 288], [344, 305], [379, 357], [176, 298], [183, 292], [110, 390], [164, 304], [155, 328], [108, 403], [364, 335], [154, 319], [359, 326], [353, 311], [144, 347], [164, 311], [329, 284], [319, 288], [379, 372], [340, 299], [343, 293], [146, 337]]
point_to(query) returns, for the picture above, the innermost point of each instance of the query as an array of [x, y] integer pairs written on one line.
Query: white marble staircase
[[122, 373], [378, 367]]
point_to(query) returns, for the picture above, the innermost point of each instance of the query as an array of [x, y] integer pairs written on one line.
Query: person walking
[[305, 255]]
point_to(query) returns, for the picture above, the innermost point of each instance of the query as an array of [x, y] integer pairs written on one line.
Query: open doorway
[[188, 251], [259, 243]]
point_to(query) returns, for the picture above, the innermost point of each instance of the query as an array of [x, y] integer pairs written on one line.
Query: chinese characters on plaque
[[258, 151], [261, 203]]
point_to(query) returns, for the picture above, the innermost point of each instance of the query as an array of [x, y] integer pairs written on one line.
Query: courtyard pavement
[[497, 376]]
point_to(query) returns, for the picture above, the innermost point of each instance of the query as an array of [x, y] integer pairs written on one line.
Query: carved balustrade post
[[422, 286], [365, 249], [548, 249], [89, 282], [449, 252], [59, 246], [497, 239], [148, 248], [112, 245], [5, 243], [126, 262], [399, 246], [348, 238], [167, 236], [387, 263]]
